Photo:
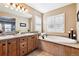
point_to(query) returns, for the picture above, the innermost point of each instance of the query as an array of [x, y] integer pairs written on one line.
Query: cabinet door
[[0, 48], [35, 41], [3, 48], [12, 47], [30, 43], [60, 50], [67, 51], [23, 46], [74, 52]]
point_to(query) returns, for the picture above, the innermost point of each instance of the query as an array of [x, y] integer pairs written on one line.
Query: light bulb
[[22, 9], [18, 7], [14, 5], [26, 10]]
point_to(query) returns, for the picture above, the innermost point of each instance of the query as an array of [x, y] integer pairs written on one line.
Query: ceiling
[[46, 7]]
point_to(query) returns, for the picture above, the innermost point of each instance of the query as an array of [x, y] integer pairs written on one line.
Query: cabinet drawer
[[22, 39], [23, 52], [23, 45]]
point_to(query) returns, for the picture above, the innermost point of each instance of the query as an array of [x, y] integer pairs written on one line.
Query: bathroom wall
[[22, 20], [70, 18]]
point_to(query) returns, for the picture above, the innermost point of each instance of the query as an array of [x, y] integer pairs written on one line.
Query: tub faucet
[[44, 35]]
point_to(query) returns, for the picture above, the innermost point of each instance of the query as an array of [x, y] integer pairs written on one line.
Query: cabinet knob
[[3, 44], [33, 37], [9, 43], [22, 39], [22, 45], [22, 51]]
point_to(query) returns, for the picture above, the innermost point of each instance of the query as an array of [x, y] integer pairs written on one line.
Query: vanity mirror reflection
[[7, 23]]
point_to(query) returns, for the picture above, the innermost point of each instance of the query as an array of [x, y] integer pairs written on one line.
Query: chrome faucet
[[43, 36]]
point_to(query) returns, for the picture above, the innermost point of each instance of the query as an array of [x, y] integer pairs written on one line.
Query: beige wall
[[22, 20], [70, 18], [77, 24]]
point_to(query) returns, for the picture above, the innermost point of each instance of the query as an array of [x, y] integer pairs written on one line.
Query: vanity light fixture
[[14, 5], [22, 9], [17, 6]]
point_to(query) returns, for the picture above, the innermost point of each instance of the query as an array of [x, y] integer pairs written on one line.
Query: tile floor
[[39, 53]]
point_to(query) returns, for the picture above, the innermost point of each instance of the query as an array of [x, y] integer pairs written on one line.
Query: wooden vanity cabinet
[[3, 48], [35, 41], [23, 46], [74, 52], [18, 46], [12, 47], [30, 44]]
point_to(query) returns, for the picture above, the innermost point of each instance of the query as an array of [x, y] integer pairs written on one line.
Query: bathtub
[[59, 39]]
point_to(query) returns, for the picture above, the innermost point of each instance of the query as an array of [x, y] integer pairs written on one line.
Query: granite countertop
[[74, 45], [4, 37]]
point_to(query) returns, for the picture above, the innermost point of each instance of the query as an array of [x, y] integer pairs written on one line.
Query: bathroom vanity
[[18, 45]]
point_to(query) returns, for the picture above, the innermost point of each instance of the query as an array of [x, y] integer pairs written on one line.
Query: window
[[7, 27], [0, 27], [38, 23], [55, 23]]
